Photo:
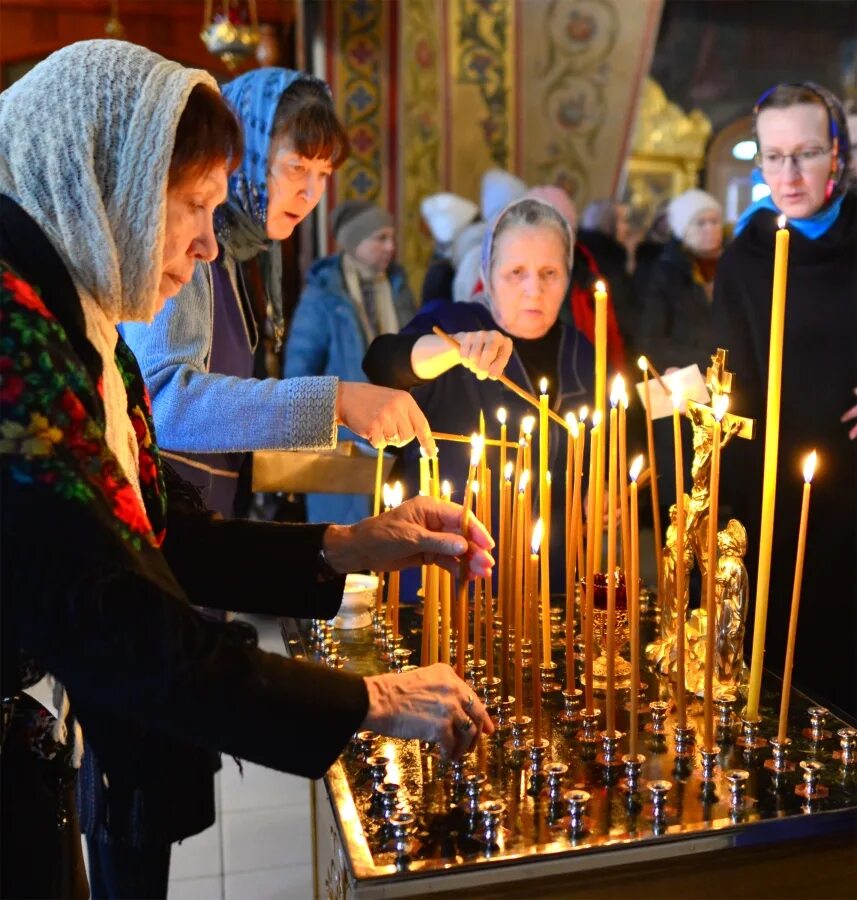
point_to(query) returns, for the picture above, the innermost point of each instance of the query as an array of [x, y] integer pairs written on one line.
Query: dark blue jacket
[[452, 403]]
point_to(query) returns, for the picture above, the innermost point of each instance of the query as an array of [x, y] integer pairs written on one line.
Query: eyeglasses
[[773, 162]]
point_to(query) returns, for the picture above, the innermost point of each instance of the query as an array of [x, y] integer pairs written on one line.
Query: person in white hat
[[676, 324], [446, 216]]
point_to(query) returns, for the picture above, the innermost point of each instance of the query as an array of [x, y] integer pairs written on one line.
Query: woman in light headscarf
[[103, 215], [198, 357]]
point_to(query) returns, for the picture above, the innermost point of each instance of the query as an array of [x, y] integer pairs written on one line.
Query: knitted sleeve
[[205, 412]]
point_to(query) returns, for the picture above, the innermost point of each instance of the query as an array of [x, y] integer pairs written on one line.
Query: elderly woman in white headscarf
[[112, 161]]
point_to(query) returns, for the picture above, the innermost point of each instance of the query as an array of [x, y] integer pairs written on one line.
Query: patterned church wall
[[434, 92]]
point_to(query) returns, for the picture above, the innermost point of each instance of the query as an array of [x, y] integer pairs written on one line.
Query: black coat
[[90, 595], [676, 327], [819, 377]]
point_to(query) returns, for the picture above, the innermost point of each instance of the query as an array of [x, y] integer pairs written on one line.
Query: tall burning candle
[[501, 418], [623, 484], [769, 478], [570, 548], [808, 472], [612, 469], [544, 586], [382, 577], [489, 596], [543, 481], [519, 595], [577, 537], [588, 630], [601, 348], [463, 618], [393, 589], [445, 595], [534, 629], [425, 488], [505, 574], [632, 588], [643, 363], [379, 475], [581, 450], [528, 424], [681, 612], [720, 404], [434, 571], [477, 593]]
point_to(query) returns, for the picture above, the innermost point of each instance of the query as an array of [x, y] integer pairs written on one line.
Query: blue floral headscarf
[[241, 223]]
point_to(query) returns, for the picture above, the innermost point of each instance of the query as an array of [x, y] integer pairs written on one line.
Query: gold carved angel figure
[[732, 587]]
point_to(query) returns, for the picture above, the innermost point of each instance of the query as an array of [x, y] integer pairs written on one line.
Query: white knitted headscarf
[[86, 139]]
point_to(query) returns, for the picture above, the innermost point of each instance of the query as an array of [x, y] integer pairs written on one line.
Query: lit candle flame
[[387, 494], [397, 494], [596, 418], [677, 398], [446, 489], [523, 481], [809, 466], [423, 453], [510, 470], [548, 478], [636, 468], [501, 415], [476, 452], [583, 413], [781, 222], [571, 422], [720, 404], [474, 485], [624, 398], [543, 385], [643, 363], [394, 773], [600, 287], [537, 537], [616, 390], [527, 424]]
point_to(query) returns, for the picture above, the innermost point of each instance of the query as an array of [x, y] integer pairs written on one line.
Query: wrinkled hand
[[485, 353], [430, 704], [419, 532], [382, 415], [851, 416]]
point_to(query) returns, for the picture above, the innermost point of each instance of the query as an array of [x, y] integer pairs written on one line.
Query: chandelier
[[233, 33]]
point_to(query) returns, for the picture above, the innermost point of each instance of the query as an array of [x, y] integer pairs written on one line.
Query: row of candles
[[524, 579]]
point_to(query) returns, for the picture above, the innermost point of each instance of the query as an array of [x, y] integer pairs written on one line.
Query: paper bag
[[349, 469]]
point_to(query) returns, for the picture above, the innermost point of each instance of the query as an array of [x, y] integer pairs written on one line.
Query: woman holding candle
[[804, 156], [112, 206], [513, 328], [197, 357]]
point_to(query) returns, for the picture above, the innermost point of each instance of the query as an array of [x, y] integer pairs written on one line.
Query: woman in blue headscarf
[[804, 158], [198, 356]]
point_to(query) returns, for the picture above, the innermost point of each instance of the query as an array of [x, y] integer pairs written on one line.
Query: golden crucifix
[[719, 381]]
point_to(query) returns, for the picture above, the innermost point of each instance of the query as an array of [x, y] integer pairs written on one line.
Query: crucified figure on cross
[[719, 381]]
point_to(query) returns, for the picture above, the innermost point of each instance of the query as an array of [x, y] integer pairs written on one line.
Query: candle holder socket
[[812, 788], [402, 824], [473, 786], [475, 672], [364, 743], [492, 821], [577, 802], [571, 711], [609, 744], [659, 790], [555, 772], [658, 710], [750, 739], [377, 766], [737, 779], [724, 704], [683, 737], [516, 748], [550, 686], [590, 719], [847, 755], [818, 719], [537, 750], [778, 762], [385, 800], [401, 658], [633, 768], [489, 689], [709, 763], [394, 643]]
